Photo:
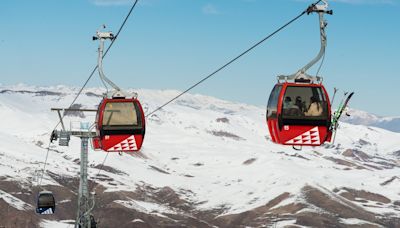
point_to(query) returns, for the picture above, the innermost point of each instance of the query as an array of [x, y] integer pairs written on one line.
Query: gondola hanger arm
[[102, 37], [301, 75]]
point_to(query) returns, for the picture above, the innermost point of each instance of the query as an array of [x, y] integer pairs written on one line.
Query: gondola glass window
[[273, 101], [304, 103], [120, 114], [46, 200], [45, 203]]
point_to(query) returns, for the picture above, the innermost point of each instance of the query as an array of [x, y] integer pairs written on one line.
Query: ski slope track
[[205, 162]]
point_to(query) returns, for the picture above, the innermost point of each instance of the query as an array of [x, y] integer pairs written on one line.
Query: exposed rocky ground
[[314, 206]]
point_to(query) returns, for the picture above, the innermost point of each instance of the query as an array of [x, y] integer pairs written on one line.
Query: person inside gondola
[[289, 108], [300, 104], [287, 104], [315, 108]]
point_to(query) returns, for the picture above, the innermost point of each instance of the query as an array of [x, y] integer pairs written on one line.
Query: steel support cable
[[87, 81], [45, 162], [98, 173], [234, 59]]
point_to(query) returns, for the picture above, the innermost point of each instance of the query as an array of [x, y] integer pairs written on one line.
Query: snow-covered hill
[[205, 162], [367, 119]]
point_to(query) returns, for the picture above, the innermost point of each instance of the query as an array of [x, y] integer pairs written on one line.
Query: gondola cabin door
[[299, 114]]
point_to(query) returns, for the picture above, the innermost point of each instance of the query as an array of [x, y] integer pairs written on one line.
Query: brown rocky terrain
[[314, 206]]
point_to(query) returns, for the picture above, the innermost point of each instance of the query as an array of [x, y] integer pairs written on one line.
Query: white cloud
[[122, 2], [111, 2], [365, 1], [359, 2], [210, 9]]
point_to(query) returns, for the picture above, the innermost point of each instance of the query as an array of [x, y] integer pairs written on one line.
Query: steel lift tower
[[86, 202]]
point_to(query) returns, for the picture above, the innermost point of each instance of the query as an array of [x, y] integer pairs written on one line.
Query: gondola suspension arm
[[301, 74], [102, 36]]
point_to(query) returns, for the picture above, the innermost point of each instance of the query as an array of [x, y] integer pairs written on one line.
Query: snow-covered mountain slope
[[367, 119], [205, 162]]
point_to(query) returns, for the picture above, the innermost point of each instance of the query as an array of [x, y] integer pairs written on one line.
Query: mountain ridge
[[391, 123], [205, 162]]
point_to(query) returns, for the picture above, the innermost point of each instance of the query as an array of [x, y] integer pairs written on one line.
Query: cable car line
[[111, 137], [236, 58], [98, 173], [45, 163], [85, 84]]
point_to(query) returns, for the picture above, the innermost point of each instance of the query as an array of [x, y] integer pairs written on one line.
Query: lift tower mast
[[84, 219]]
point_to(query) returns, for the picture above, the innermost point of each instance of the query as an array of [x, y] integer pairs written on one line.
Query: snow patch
[[356, 221], [145, 207], [178, 137], [56, 224], [15, 202]]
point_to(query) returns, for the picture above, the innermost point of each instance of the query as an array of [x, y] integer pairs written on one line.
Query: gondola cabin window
[[120, 114], [304, 102], [273, 101], [46, 200]]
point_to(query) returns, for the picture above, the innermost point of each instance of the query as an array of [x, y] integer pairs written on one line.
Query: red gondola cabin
[[120, 124], [299, 114]]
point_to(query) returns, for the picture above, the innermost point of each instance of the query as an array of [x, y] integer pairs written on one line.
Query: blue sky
[[170, 44]]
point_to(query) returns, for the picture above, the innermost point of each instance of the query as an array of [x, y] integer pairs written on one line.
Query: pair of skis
[[338, 113]]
